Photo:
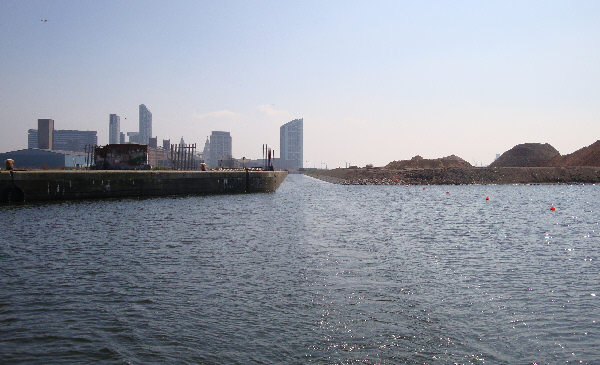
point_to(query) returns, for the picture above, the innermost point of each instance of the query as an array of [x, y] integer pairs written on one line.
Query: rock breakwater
[[460, 176]]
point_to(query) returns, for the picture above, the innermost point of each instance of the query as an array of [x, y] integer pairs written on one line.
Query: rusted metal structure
[[182, 156], [89, 154], [121, 157], [268, 157]]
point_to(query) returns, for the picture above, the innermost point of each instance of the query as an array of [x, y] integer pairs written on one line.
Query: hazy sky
[[375, 81]]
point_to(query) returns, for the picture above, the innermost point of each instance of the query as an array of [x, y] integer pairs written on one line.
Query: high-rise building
[[291, 144], [145, 125], [166, 144], [220, 147], [45, 133], [65, 140], [121, 138], [32, 138], [153, 142], [114, 129]]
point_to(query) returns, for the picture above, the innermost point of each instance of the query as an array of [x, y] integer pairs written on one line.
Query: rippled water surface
[[314, 273]]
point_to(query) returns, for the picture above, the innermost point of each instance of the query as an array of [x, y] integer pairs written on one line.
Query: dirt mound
[[587, 156], [419, 162], [527, 155]]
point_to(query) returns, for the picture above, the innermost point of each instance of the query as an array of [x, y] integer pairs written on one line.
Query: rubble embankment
[[460, 176], [419, 162], [527, 155]]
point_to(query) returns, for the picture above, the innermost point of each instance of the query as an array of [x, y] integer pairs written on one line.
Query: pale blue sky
[[374, 81]]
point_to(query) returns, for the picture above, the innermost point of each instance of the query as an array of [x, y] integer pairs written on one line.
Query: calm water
[[314, 273]]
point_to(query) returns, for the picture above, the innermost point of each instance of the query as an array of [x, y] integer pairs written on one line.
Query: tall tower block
[[114, 129], [45, 133]]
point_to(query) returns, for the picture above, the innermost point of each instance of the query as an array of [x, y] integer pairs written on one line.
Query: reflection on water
[[312, 273]]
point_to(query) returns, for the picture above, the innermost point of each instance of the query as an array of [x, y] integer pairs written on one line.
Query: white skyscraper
[[114, 129], [220, 147], [291, 144], [145, 125]]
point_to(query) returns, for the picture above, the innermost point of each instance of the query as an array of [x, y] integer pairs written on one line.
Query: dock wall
[[65, 185]]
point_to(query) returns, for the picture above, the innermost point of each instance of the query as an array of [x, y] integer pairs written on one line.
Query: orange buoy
[[552, 208], [487, 198]]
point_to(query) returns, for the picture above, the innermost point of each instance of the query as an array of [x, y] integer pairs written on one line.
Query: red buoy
[[447, 192], [487, 198], [552, 208], [395, 180], [423, 188]]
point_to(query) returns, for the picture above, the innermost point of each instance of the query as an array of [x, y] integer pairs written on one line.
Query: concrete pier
[[29, 186]]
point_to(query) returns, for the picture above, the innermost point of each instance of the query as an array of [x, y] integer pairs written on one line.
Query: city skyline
[[221, 140], [375, 82]]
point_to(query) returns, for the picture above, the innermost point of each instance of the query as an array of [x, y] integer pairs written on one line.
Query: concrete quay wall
[[65, 185]]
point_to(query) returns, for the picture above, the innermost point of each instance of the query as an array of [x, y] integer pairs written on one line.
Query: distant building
[[206, 150], [291, 145], [219, 148], [114, 129], [158, 157], [229, 163], [32, 138], [121, 138], [199, 158], [74, 140], [45, 133], [134, 137], [64, 139], [145, 125], [153, 142], [38, 159], [261, 163], [166, 144]]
